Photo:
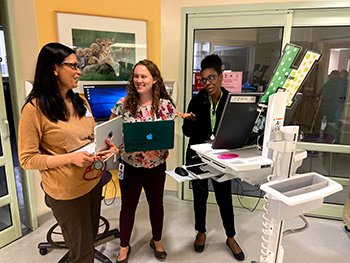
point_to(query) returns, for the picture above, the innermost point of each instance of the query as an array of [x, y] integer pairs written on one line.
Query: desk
[[250, 166]]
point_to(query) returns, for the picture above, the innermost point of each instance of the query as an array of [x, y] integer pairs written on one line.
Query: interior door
[[326, 134], [310, 25], [10, 225]]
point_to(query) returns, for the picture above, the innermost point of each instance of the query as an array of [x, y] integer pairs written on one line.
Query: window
[[3, 61]]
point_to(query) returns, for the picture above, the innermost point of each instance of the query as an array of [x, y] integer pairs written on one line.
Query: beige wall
[[133, 9], [171, 55], [27, 36], [28, 47]]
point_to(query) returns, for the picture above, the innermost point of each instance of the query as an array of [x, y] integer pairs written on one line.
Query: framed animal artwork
[[106, 47]]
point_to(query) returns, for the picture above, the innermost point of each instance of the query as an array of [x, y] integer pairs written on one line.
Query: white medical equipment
[[287, 195]]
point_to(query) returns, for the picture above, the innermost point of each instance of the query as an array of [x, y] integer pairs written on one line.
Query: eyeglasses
[[74, 65], [210, 78]]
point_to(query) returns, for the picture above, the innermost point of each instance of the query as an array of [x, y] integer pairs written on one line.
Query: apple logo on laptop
[[110, 135], [149, 136]]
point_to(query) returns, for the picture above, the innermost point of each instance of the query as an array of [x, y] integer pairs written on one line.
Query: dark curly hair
[[212, 61], [158, 88]]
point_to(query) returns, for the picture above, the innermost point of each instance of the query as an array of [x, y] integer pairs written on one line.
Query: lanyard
[[213, 113]]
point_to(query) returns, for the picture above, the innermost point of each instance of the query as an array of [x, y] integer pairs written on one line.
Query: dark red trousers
[[152, 180]]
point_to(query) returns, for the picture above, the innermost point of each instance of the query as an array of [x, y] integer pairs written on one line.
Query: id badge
[[121, 171], [87, 112]]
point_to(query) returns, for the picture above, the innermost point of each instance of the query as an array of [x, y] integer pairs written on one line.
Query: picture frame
[[106, 47]]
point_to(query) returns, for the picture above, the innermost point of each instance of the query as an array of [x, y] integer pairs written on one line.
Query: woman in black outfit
[[205, 112]]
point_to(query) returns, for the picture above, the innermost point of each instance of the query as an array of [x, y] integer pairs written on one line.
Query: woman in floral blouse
[[147, 100]]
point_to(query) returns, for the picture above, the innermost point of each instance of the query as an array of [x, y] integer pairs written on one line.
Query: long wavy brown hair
[[158, 88]]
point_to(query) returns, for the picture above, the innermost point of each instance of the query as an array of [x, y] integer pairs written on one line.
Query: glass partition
[[5, 217], [1, 151], [324, 107], [253, 52], [3, 182], [3, 60], [323, 113]]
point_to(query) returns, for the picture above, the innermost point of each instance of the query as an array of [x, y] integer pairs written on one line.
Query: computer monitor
[[237, 120], [103, 97]]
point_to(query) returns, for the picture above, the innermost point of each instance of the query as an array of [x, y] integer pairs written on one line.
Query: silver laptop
[[111, 129]]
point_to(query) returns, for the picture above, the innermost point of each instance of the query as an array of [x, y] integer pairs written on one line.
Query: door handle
[[6, 131]]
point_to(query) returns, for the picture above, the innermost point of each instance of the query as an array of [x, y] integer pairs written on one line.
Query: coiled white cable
[[267, 232]]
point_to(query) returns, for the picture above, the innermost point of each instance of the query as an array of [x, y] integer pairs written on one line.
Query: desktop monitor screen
[[237, 120], [102, 99]]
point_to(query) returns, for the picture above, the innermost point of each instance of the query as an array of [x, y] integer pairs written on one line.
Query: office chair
[[103, 236]]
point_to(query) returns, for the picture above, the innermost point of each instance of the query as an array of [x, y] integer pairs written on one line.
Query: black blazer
[[199, 130]]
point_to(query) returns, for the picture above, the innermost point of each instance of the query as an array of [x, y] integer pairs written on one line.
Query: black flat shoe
[[238, 256], [125, 260], [160, 255], [199, 248]]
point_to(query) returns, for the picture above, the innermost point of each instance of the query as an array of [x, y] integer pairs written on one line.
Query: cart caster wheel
[[43, 251], [346, 228]]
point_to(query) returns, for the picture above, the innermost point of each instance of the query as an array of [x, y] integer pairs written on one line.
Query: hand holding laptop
[[112, 149], [84, 158], [111, 130]]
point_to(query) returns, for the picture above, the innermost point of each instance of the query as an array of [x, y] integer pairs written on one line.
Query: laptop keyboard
[[203, 171], [196, 169]]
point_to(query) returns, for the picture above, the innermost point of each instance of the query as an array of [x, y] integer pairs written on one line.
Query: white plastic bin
[[299, 194]]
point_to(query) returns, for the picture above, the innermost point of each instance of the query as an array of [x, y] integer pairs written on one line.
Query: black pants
[[224, 200], [79, 220]]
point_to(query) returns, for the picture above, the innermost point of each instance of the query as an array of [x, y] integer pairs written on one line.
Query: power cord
[[257, 145], [297, 230], [114, 195], [211, 183], [240, 196]]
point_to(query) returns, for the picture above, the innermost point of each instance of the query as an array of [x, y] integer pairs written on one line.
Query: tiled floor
[[325, 241]]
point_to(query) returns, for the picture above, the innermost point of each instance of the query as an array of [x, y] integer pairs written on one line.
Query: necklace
[[144, 106]]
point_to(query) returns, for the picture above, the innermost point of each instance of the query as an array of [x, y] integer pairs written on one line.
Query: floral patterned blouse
[[147, 159]]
